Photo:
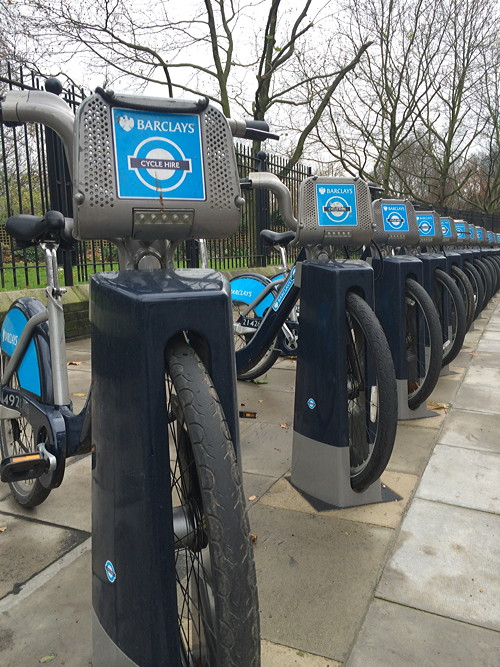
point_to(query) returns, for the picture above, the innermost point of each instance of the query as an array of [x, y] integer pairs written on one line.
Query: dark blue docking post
[[390, 308], [133, 316], [320, 456]]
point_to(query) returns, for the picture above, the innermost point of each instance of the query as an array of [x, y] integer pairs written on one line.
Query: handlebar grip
[[258, 130]]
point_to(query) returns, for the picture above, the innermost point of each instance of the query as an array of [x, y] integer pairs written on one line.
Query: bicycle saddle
[[276, 238]]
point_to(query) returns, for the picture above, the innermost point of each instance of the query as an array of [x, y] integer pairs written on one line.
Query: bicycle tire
[[495, 273], [477, 286], [422, 319], [465, 287], [457, 326], [487, 284], [17, 437], [372, 394], [241, 340], [218, 616]]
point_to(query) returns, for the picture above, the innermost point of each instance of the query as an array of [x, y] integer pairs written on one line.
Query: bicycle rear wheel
[[18, 437], [372, 396], [455, 326], [244, 334], [424, 344], [218, 618]]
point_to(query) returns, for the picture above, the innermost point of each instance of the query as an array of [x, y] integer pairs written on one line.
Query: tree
[[211, 48]]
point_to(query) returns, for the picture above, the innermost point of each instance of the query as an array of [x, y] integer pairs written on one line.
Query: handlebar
[[38, 106]]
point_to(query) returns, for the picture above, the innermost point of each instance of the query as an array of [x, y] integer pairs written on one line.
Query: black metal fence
[[35, 179]]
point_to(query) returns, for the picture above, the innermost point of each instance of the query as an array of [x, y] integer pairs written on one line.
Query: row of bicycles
[[173, 573]]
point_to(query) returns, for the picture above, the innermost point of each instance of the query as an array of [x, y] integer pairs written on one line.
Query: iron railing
[[34, 178]]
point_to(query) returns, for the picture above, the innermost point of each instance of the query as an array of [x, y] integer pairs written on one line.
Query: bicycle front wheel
[[217, 601], [467, 292], [455, 317], [372, 396], [424, 344]]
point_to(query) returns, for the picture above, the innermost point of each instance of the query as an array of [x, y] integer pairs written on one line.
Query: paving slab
[[255, 486], [53, 625], [479, 398], [482, 376], [435, 421], [275, 655], [315, 577], [266, 449], [412, 447], [67, 506], [464, 477], [283, 495], [478, 430], [446, 389], [489, 359], [28, 546], [395, 636], [492, 335], [269, 406], [442, 563]]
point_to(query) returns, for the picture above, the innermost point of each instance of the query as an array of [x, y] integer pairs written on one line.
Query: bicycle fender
[[247, 287], [34, 370]]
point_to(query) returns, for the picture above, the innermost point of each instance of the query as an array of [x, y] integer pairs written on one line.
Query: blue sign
[[311, 403], [461, 233], [426, 225], [479, 233], [336, 205], [395, 218], [158, 155], [110, 571], [28, 372], [446, 227], [284, 290], [472, 232]]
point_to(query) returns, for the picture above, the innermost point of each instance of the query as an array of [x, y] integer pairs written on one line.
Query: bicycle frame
[[49, 409], [273, 320]]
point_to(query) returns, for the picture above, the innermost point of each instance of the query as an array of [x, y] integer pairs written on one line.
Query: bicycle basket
[[449, 230], [334, 211], [429, 227], [395, 223], [149, 168]]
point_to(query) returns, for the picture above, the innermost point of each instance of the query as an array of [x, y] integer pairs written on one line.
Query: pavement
[[412, 581]]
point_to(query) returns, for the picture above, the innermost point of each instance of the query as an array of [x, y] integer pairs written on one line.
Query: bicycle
[[262, 322], [214, 566], [443, 290], [254, 295]]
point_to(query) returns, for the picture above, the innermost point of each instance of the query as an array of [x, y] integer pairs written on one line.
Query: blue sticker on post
[[158, 155], [461, 233], [479, 233], [446, 227], [336, 205], [426, 224], [110, 571], [395, 218]]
